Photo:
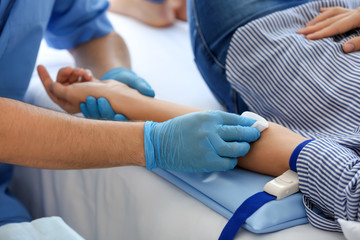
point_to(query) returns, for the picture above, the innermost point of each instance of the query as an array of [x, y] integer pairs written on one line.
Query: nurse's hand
[[101, 108], [333, 21], [198, 142]]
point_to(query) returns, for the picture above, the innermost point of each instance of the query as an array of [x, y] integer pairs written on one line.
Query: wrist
[[129, 102], [134, 145]]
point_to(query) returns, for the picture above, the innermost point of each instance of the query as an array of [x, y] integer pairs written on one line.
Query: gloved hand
[[101, 108], [198, 142]]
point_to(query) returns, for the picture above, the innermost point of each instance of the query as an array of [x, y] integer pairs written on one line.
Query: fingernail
[[349, 47]]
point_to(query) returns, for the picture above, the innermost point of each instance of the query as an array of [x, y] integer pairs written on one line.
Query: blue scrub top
[[23, 23]]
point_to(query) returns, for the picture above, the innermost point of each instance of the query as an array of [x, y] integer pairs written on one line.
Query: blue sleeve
[[73, 22], [329, 174]]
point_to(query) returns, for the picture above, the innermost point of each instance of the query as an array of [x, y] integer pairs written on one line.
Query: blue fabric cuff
[[295, 154], [115, 71], [149, 146]]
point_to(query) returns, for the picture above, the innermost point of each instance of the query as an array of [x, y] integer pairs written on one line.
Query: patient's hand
[[333, 21], [73, 86], [271, 153]]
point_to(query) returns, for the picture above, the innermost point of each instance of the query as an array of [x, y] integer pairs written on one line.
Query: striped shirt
[[312, 88]]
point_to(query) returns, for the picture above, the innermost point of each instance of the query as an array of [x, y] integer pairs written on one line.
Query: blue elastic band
[[295, 154], [246, 209]]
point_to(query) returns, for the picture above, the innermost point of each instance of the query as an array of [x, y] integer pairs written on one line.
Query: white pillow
[[49, 228], [350, 229]]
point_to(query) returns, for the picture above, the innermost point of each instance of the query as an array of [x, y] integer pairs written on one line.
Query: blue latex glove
[[198, 142], [101, 108]]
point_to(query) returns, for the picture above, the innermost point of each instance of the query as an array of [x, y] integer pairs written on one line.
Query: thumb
[[45, 78], [46, 81], [352, 45]]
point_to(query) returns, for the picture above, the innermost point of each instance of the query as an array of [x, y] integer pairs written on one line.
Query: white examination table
[[130, 202]]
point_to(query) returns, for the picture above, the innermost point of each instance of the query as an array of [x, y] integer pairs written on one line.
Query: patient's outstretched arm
[[123, 99]]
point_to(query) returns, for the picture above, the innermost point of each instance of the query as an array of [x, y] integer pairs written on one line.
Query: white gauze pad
[[261, 124]]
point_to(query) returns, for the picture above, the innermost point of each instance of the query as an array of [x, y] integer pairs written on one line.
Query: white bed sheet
[[131, 202]]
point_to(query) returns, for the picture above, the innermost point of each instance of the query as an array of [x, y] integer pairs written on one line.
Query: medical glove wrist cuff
[[295, 154], [149, 146], [114, 72]]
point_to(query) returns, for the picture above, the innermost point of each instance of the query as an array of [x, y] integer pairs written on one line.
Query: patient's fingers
[[320, 25], [44, 76], [337, 27], [64, 74], [352, 45], [69, 75], [87, 76], [58, 92], [327, 13], [46, 81], [76, 75]]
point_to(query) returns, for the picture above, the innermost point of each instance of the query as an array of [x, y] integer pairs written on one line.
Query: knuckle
[[337, 29], [203, 134], [225, 149], [204, 116], [336, 10], [244, 149]]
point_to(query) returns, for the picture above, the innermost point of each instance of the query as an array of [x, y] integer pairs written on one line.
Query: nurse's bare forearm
[[36, 137], [102, 54]]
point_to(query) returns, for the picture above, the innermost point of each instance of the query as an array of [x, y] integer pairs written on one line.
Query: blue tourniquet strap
[[246, 209]]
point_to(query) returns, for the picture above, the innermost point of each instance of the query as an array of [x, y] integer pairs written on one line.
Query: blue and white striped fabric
[[313, 88]]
